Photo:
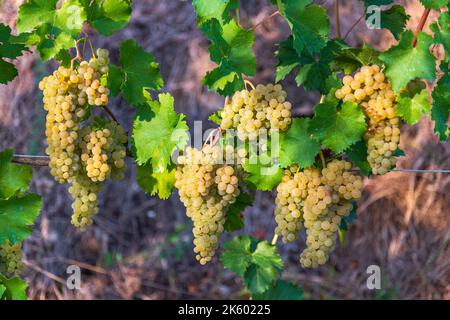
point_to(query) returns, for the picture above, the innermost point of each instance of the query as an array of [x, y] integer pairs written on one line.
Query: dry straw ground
[[140, 247]]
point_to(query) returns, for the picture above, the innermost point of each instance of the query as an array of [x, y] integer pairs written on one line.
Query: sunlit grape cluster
[[372, 91], [89, 80], [206, 187], [11, 258], [318, 200], [85, 205], [103, 150], [67, 92], [258, 111]]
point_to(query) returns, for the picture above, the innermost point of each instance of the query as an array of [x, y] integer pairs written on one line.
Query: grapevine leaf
[[17, 214], [256, 261], [358, 156], [441, 30], [236, 254], [15, 288], [234, 218], [108, 16], [156, 138], [399, 68], [156, 183], [297, 145], [34, 13], [350, 59], [8, 49], [207, 10], [262, 176], [338, 129], [2, 291], [434, 4], [394, 19], [52, 29], [115, 79], [13, 178], [310, 25], [266, 264], [216, 117], [440, 111], [140, 71], [288, 59], [232, 50], [282, 290], [411, 109]]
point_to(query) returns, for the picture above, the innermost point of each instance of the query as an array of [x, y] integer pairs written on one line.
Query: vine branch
[[338, 18], [421, 24], [265, 19], [37, 161], [110, 113], [354, 25]]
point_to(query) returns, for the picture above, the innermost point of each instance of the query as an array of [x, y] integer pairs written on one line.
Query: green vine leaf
[[394, 19], [138, 71], [434, 4], [13, 178], [13, 288], [17, 215], [309, 24], [411, 109], [441, 30], [108, 16], [440, 111], [50, 29], [282, 290], [257, 262], [234, 218], [261, 176], [232, 50], [349, 59], [11, 50], [358, 156], [156, 183], [297, 146], [337, 129], [399, 68], [157, 132]]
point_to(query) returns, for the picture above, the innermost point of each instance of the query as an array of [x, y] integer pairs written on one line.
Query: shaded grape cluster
[[372, 91], [318, 200], [11, 258], [258, 111], [206, 186]]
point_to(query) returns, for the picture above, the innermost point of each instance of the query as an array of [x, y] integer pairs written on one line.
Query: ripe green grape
[[85, 194], [11, 258], [103, 151], [67, 92], [372, 91], [251, 112], [206, 187], [318, 199]]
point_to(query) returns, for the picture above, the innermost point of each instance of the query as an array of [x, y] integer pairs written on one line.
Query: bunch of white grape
[[85, 194], [382, 142], [257, 111], [103, 151], [206, 187], [372, 91], [318, 200], [67, 93], [11, 258]]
